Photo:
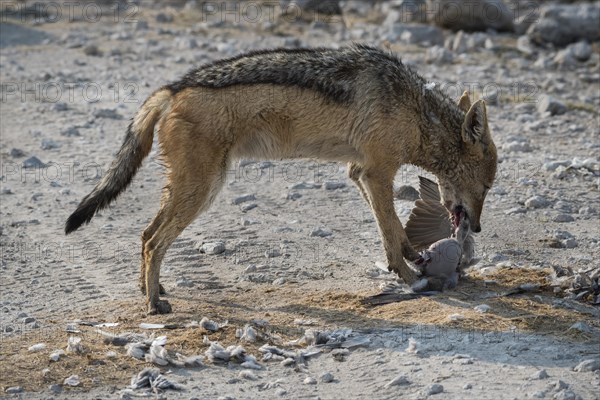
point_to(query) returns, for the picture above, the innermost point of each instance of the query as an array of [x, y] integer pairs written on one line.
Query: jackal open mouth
[[458, 214]]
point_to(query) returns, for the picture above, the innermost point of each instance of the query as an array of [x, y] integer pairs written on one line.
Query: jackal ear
[[464, 103], [475, 126]]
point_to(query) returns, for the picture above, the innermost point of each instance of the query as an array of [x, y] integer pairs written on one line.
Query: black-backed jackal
[[357, 104]]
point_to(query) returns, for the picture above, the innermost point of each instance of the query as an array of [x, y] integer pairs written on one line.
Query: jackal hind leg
[[147, 235], [196, 168], [378, 184], [355, 171]]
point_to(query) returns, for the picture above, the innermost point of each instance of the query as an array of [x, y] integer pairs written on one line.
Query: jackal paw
[[410, 254], [161, 307], [161, 289]]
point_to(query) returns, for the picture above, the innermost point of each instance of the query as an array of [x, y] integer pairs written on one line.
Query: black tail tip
[[75, 221]]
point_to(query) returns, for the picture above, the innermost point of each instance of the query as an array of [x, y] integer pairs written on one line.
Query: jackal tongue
[[458, 215]]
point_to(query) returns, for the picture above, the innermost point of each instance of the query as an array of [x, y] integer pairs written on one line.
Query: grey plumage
[[429, 229]]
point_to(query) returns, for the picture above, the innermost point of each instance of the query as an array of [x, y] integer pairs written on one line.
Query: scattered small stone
[[72, 380], [107, 113], [248, 207], [74, 345], [33, 162], [472, 16], [413, 346], [70, 132], [435, 388], [49, 144], [14, 390], [16, 153], [587, 366], [566, 394], [185, 43], [549, 104], [406, 192], [60, 106], [583, 327], [320, 232], [398, 381], [37, 347], [279, 281], [561, 24], [304, 186], [468, 386], [334, 185], [553, 165], [581, 51], [309, 380], [327, 377], [541, 374], [184, 282], [248, 374], [212, 248], [92, 50], [492, 97], [164, 18], [456, 317], [340, 354], [248, 222], [272, 253], [517, 146], [55, 355], [524, 45], [563, 218], [587, 210], [243, 199], [482, 308], [558, 385], [293, 196], [141, 25], [145, 325], [55, 388], [111, 354], [438, 55], [537, 202]]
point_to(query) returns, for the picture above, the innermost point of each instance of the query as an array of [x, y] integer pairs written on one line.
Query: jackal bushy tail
[[136, 146]]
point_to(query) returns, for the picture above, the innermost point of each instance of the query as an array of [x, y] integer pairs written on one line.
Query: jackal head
[[463, 190]]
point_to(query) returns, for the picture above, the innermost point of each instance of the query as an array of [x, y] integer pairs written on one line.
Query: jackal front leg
[[379, 186]]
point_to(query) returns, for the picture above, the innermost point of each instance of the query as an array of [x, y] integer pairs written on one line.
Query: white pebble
[[55, 355], [248, 374], [73, 380], [37, 347], [397, 381], [309, 380], [482, 308], [434, 389]]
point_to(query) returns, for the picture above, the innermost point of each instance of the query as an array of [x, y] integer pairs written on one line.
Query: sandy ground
[[67, 103]]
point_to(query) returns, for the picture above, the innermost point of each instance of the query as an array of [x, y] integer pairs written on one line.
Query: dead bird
[[445, 241]]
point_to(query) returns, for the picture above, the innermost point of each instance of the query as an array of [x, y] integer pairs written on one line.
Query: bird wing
[[428, 221], [429, 191]]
